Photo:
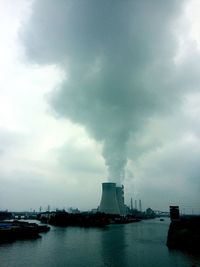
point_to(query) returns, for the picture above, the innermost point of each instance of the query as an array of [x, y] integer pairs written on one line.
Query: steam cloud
[[119, 60]]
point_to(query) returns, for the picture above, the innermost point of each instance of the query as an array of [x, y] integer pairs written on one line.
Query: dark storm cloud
[[119, 60]]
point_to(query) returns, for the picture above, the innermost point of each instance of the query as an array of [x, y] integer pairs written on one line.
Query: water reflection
[[113, 246], [135, 245]]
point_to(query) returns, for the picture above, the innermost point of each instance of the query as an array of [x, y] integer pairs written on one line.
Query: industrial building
[[112, 199]]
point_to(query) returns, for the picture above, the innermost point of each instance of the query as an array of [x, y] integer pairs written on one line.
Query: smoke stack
[[120, 199], [131, 204], [109, 202], [140, 205]]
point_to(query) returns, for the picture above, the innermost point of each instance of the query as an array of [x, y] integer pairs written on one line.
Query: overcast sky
[[95, 91]]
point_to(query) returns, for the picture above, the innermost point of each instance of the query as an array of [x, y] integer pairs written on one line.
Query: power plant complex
[[112, 199]]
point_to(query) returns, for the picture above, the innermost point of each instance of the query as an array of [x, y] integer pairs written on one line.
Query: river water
[[139, 244]]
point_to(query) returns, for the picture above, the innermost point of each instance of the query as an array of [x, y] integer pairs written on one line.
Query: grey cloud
[[79, 159], [20, 187], [10, 140], [176, 164], [119, 57]]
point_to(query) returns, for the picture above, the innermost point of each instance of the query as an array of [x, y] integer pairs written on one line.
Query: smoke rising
[[119, 61]]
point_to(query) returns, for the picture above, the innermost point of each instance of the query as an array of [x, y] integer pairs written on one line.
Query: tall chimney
[[131, 204], [140, 205], [109, 202]]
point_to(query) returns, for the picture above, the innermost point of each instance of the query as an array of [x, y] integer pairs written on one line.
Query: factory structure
[[112, 200]]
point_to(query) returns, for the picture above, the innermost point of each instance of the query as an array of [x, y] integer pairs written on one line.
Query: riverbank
[[84, 219], [16, 230], [184, 234]]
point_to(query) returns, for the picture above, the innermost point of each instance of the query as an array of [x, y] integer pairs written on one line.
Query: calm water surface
[[136, 245]]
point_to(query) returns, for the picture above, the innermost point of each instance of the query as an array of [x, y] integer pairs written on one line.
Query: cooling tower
[[109, 202], [120, 199]]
